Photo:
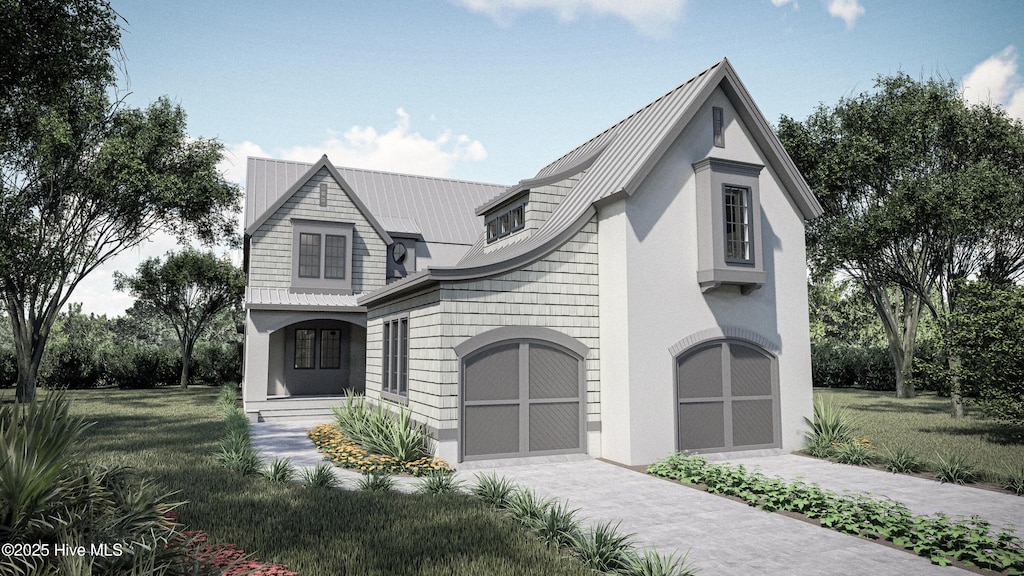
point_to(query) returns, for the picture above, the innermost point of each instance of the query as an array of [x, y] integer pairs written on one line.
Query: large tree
[[190, 289], [83, 177], [920, 191]]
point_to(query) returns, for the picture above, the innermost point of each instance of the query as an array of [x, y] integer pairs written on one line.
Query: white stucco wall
[[651, 255]]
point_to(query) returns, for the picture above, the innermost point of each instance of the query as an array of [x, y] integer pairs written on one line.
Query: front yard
[[171, 435]]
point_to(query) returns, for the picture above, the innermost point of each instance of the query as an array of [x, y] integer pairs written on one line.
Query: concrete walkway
[[722, 536]]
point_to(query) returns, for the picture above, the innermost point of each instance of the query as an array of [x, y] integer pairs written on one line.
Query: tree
[[920, 190], [190, 289], [84, 178]]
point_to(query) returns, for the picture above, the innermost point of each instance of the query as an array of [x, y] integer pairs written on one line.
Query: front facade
[[645, 293]]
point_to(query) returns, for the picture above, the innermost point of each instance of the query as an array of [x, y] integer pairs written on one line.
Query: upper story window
[[737, 224], [729, 246], [322, 256], [506, 221]]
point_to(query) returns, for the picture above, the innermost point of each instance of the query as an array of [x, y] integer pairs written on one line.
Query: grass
[[922, 428], [172, 435]]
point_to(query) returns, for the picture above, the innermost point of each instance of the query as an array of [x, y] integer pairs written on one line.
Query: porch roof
[[257, 298]]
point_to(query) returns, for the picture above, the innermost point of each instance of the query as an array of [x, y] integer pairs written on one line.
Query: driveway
[[722, 536]]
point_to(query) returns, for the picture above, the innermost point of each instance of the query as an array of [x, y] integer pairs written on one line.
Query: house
[[644, 293]]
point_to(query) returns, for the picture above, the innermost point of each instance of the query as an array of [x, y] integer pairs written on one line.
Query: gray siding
[[558, 292], [542, 201], [270, 254]]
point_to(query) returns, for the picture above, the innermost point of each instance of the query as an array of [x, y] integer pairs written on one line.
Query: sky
[[493, 90]]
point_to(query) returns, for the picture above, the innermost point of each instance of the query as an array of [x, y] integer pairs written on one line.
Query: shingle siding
[[541, 202], [557, 292], [270, 262]]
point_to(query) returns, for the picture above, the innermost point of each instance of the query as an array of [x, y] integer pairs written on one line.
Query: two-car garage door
[[522, 398]]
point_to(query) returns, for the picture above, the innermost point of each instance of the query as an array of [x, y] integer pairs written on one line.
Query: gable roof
[[435, 209], [617, 161]]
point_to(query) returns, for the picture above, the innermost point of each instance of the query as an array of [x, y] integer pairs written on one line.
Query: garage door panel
[[491, 430], [701, 425], [751, 372], [553, 373], [752, 422], [494, 375], [700, 374], [554, 426]]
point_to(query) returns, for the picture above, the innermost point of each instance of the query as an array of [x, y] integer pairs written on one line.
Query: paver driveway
[[722, 536]]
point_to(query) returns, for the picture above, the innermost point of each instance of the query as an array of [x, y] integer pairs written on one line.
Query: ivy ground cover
[[944, 540]]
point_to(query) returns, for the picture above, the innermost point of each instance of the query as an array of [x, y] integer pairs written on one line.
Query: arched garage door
[[728, 398], [521, 398]]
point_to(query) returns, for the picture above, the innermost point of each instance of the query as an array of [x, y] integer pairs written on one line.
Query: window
[[305, 345], [737, 224], [322, 256], [395, 363], [309, 255], [718, 123], [506, 221], [334, 259], [729, 247], [330, 348]]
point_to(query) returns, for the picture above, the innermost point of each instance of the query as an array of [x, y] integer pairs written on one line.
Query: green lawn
[[924, 426], [170, 435]]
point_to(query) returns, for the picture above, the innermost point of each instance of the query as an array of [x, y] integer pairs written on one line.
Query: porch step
[[295, 414]]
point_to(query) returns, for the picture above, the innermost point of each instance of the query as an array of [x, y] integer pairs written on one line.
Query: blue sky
[[492, 90]]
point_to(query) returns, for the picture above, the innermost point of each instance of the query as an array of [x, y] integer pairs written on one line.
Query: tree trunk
[[29, 343], [955, 392], [187, 344], [900, 332]]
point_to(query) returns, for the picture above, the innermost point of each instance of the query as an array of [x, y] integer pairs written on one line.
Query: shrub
[[493, 490], [381, 432], [320, 477], [526, 506], [280, 470], [438, 483], [376, 482], [955, 469], [8, 367], [648, 562], [831, 424], [602, 548], [836, 365], [141, 367], [217, 363], [346, 453], [48, 495], [901, 460], [857, 452], [557, 527], [1013, 480]]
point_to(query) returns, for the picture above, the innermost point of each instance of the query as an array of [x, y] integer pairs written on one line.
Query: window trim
[[324, 230], [745, 225], [713, 176], [336, 356], [508, 220], [395, 358], [311, 351]]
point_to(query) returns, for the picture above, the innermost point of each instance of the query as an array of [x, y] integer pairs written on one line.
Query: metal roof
[[284, 299], [616, 162], [438, 209]]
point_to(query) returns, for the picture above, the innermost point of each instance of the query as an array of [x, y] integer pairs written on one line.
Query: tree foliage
[[920, 190], [84, 178], [190, 289]]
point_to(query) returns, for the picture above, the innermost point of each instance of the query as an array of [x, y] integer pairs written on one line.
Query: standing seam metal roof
[[626, 153], [439, 209]]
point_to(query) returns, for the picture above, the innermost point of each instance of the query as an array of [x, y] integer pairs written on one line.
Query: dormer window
[[729, 247], [506, 221], [322, 256]]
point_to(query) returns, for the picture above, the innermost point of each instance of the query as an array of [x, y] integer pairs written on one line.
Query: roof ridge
[[405, 174], [627, 118]]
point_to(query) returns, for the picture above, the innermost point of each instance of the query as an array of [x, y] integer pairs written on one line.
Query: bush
[[8, 368], [143, 367], [216, 363], [831, 424], [381, 432], [843, 366]]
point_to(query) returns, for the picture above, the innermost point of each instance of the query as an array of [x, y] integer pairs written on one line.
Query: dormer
[[506, 218]]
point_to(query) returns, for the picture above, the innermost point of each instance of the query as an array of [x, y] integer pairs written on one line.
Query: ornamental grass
[[346, 453]]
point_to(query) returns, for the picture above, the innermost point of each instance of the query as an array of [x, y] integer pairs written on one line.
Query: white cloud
[[996, 81], [847, 10], [652, 17], [779, 3], [232, 163], [399, 149]]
